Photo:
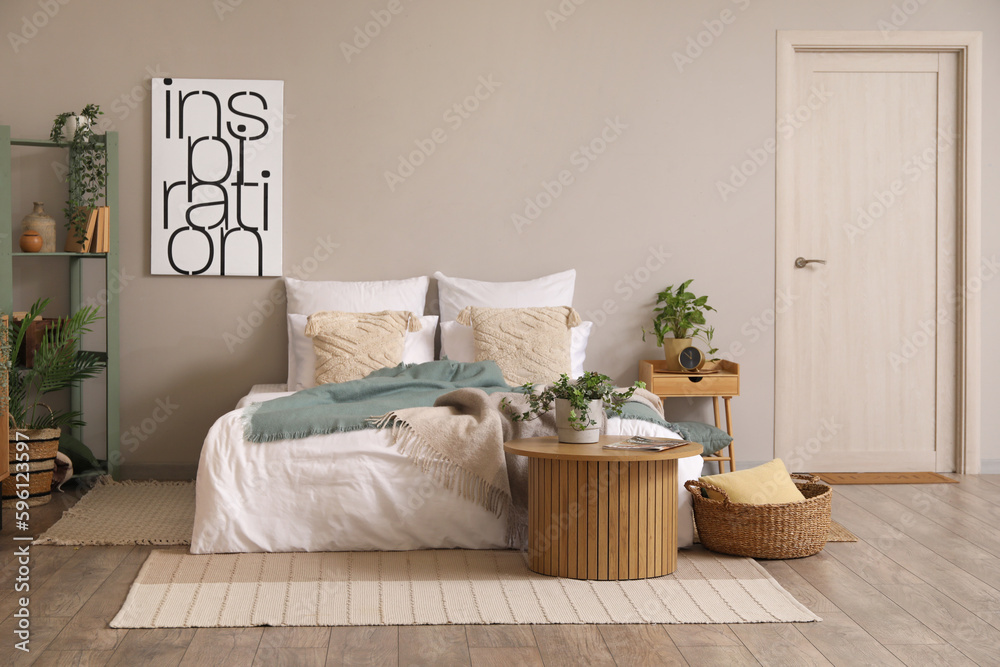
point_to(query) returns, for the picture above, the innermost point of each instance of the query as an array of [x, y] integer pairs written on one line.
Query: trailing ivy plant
[[58, 364], [588, 387], [681, 313], [88, 167]]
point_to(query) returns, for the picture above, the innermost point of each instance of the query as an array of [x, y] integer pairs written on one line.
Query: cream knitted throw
[[349, 346], [458, 443], [529, 344]]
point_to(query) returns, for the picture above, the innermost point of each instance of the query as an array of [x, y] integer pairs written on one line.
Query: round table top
[[551, 448]]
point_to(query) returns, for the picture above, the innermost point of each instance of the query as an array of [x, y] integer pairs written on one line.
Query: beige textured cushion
[[529, 344], [349, 346]]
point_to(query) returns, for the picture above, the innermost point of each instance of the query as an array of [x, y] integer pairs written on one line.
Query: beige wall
[[653, 190]]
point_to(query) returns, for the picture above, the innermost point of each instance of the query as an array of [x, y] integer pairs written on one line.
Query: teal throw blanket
[[348, 406]]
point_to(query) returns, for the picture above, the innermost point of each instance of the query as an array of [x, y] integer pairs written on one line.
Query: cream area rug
[[177, 590], [115, 513]]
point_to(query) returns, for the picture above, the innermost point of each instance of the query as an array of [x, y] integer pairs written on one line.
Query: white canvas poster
[[216, 186]]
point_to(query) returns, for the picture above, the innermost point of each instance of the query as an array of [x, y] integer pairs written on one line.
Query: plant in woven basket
[[88, 164], [588, 387], [58, 364]]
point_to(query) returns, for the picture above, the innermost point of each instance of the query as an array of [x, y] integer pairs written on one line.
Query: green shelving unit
[[76, 297]]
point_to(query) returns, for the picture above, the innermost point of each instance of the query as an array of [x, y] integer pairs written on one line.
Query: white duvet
[[349, 491]]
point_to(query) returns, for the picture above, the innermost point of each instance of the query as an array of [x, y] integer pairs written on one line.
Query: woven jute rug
[[177, 590], [117, 513], [884, 478]]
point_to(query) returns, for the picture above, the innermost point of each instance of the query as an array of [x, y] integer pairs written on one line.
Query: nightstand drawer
[[705, 385], [724, 382]]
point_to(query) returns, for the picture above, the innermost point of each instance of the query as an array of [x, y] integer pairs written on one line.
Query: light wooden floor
[[921, 588]]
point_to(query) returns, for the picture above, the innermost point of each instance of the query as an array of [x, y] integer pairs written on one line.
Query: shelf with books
[[77, 296]]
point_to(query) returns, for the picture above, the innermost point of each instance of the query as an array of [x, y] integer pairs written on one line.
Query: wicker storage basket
[[789, 530], [42, 446]]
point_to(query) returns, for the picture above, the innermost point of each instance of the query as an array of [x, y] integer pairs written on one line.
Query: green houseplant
[[682, 314], [58, 364], [88, 165], [577, 402]]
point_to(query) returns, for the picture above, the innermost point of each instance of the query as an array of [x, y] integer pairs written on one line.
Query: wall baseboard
[[162, 472], [173, 472], [989, 467]]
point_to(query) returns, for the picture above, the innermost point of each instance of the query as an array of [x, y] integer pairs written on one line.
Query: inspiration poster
[[216, 177]]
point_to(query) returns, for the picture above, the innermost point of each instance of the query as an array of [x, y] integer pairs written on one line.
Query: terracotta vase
[[31, 241], [41, 222]]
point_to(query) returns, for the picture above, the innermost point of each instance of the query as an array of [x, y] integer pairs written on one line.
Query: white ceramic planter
[[74, 123], [569, 434]]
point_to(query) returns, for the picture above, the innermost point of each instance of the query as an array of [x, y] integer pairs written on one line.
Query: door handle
[[800, 262]]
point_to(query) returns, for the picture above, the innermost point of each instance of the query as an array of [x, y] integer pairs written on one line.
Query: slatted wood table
[[597, 513]]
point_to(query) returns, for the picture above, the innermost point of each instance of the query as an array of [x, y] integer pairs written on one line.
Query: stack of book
[[97, 237]]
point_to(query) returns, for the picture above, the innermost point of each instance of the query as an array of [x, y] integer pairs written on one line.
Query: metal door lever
[[800, 262]]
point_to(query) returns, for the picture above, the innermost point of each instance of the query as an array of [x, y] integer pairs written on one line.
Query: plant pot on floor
[[672, 348], [41, 446], [569, 434]]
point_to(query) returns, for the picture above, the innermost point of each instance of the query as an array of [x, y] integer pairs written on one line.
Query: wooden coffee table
[[597, 513]]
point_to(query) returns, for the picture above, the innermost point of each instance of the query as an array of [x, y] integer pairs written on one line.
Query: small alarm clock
[[691, 359]]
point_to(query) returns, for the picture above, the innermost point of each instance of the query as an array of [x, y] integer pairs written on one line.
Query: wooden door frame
[[968, 47]]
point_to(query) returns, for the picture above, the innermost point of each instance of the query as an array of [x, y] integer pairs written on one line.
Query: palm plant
[[58, 364]]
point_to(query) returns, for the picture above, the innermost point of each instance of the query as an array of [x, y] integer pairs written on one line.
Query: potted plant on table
[[58, 364], [88, 165], [681, 314], [578, 403]]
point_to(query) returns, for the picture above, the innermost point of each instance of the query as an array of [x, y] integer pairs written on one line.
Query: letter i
[[167, 82], [265, 174]]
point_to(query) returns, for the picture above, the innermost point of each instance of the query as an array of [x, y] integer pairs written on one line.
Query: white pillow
[[312, 296], [454, 294], [418, 347], [459, 344]]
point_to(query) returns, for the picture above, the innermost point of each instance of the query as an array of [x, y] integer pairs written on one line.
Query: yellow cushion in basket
[[764, 485]]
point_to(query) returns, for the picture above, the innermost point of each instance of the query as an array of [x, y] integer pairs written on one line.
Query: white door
[[869, 166]]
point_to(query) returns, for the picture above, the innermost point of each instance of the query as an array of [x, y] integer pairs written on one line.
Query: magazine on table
[[639, 443]]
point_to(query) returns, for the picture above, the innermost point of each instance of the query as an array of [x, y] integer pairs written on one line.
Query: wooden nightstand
[[723, 384]]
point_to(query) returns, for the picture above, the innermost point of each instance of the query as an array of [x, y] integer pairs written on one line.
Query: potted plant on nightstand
[[578, 403], [88, 165], [681, 314], [58, 364]]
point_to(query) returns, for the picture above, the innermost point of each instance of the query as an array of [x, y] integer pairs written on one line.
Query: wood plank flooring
[[921, 587]]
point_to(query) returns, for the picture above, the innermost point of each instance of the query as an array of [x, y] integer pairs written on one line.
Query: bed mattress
[[348, 491]]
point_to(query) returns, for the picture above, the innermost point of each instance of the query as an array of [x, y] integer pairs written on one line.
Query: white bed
[[349, 491]]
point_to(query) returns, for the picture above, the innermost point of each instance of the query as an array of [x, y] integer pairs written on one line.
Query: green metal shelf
[[111, 316], [75, 255]]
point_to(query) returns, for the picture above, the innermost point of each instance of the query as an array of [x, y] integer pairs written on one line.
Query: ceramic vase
[[571, 435], [31, 241], [39, 221]]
